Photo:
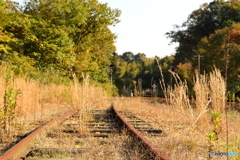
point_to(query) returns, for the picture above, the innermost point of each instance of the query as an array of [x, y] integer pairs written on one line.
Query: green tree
[[96, 54], [5, 37], [65, 35], [128, 56], [201, 23], [222, 50], [9, 44]]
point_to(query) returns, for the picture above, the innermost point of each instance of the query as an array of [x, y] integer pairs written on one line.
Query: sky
[[144, 24]]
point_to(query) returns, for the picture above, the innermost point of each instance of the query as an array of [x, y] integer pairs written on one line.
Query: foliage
[[222, 50], [59, 36], [10, 101], [212, 137], [212, 32], [128, 68], [217, 122], [137, 73], [201, 23], [8, 113]]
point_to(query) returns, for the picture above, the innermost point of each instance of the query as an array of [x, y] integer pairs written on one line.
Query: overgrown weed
[[186, 126], [38, 102]]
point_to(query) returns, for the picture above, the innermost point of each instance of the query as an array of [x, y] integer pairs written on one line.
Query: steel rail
[[21, 149], [156, 151]]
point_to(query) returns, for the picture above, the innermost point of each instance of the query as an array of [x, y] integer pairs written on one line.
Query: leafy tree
[[130, 70], [96, 59], [62, 36], [46, 45], [128, 56], [222, 50], [120, 66], [9, 44], [140, 57], [186, 72], [201, 23], [5, 37]]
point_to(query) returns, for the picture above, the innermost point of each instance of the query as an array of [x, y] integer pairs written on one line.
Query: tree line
[[51, 40], [209, 38], [136, 73]]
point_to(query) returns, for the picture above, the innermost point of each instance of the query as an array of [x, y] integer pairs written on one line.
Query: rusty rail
[[156, 151], [21, 149]]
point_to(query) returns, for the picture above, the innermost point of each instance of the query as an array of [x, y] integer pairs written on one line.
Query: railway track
[[96, 133]]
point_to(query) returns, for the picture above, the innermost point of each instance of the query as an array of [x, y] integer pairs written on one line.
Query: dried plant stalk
[[217, 90]]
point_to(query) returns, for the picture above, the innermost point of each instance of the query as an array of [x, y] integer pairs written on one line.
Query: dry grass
[[39, 103], [201, 88], [180, 93], [184, 127], [181, 139], [217, 90], [115, 147]]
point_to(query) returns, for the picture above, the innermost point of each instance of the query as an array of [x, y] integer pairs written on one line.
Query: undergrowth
[[26, 102]]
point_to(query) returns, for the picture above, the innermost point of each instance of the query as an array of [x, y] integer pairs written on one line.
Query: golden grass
[[217, 90], [39, 103], [201, 88], [181, 139], [184, 127], [180, 93]]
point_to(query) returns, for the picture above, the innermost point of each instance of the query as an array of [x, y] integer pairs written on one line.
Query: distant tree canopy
[[62, 38], [58, 36], [137, 72]]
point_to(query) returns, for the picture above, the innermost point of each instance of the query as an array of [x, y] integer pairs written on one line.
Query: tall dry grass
[[209, 110], [166, 89], [86, 95], [40, 102], [36, 103], [202, 94], [210, 92], [217, 86], [180, 139], [177, 94], [180, 97], [185, 129]]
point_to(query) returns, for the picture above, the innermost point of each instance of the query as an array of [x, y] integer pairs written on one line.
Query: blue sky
[[144, 23]]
